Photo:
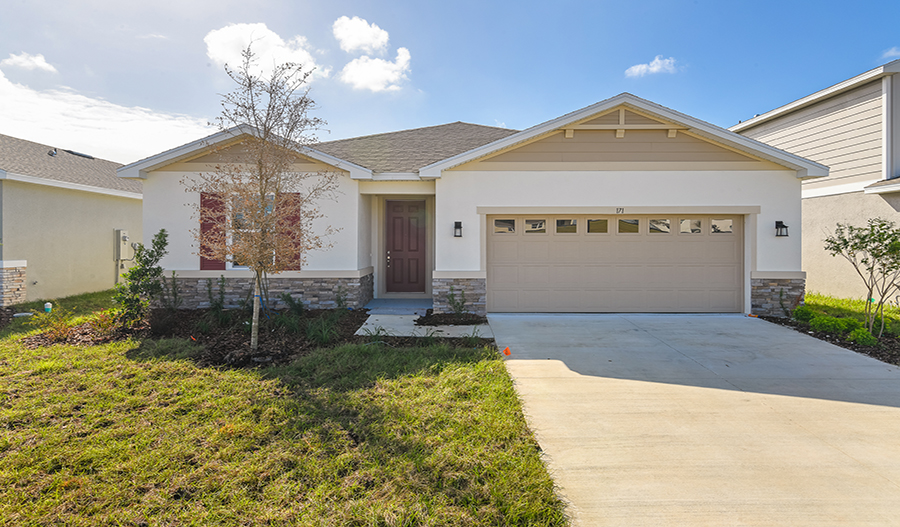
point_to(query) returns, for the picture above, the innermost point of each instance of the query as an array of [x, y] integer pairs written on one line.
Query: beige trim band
[[459, 274], [5, 264], [241, 273], [741, 209], [778, 275]]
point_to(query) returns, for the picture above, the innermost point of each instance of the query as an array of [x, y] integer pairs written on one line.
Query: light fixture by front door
[[457, 229]]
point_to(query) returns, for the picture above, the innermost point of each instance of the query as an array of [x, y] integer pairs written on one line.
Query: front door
[[405, 247]]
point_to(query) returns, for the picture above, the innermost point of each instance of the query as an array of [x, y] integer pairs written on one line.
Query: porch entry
[[405, 247]]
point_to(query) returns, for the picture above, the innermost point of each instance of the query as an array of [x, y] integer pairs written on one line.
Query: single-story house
[[852, 127], [622, 206], [63, 217]]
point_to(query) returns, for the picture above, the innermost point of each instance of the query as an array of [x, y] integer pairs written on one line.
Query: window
[[690, 226], [721, 226], [629, 226], [242, 224], [660, 226], [535, 226], [504, 226], [566, 226], [597, 226]]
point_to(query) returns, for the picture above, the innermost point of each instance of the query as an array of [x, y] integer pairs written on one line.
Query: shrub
[[322, 331], [851, 324], [105, 323], [295, 307], [142, 282], [290, 323], [55, 325], [804, 314], [457, 304], [862, 337], [827, 324]]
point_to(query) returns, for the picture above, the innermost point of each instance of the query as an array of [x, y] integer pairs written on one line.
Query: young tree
[[874, 252], [255, 210]]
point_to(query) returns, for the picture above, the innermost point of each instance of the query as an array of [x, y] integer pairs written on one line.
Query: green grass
[[134, 433], [80, 305], [853, 308]]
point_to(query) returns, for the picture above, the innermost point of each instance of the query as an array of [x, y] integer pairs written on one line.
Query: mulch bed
[[229, 344], [450, 319], [888, 349]]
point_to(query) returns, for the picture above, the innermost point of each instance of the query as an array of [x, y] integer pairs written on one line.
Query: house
[[62, 218], [623, 206], [852, 127]]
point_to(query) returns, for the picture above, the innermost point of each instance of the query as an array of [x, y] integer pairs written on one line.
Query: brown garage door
[[627, 263]]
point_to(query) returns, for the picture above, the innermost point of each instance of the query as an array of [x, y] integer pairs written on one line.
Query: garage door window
[[597, 226], [535, 226], [566, 226], [660, 226], [723, 226], [690, 226], [629, 226], [504, 226]]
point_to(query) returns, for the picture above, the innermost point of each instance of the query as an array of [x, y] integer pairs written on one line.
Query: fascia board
[[887, 69], [804, 167], [356, 171], [22, 178], [883, 189]]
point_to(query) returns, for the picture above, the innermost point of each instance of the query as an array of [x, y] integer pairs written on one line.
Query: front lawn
[[136, 433]]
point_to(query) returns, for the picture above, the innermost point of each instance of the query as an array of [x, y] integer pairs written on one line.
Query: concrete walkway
[[707, 420]]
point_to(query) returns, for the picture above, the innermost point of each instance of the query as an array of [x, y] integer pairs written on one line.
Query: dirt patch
[[450, 319], [887, 350]]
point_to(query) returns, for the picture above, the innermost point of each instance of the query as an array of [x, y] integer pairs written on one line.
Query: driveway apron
[[706, 420]]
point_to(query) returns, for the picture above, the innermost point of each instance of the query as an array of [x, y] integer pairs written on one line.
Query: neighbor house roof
[[410, 150], [31, 162], [863, 78]]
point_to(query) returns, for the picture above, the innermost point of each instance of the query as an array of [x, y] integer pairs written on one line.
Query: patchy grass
[[80, 306], [135, 433], [854, 308]]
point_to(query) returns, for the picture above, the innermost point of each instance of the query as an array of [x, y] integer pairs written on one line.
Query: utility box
[[121, 244]]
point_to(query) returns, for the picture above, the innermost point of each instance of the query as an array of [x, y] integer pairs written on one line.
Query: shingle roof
[[18, 156], [409, 150]]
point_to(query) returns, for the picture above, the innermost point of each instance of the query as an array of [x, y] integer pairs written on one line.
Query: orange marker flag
[[506, 351]]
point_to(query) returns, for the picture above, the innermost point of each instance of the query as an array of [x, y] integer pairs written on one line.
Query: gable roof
[[140, 168], [804, 167], [31, 162], [881, 71], [409, 150]]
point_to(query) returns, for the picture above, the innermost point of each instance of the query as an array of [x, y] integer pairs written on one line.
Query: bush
[[862, 337], [141, 282], [804, 314], [322, 330], [827, 324], [106, 322], [851, 324], [55, 325]]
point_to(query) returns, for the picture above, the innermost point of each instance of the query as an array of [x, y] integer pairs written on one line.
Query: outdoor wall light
[[781, 229], [457, 229]]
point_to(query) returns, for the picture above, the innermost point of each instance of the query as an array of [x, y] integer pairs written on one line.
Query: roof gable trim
[[68, 186]]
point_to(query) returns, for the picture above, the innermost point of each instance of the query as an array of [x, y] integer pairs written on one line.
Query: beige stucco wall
[[66, 236], [168, 206], [776, 194], [835, 275]]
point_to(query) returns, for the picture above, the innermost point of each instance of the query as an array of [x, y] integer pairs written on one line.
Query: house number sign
[[620, 210]]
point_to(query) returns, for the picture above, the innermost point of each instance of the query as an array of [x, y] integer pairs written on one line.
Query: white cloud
[[66, 119], [891, 53], [357, 34], [155, 36], [28, 62], [658, 65], [224, 46], [366, 73]]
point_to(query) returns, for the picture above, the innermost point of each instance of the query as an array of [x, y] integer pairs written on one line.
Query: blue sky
[[125, 80]]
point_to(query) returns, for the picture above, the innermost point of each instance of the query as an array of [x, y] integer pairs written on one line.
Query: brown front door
[[405, 248]]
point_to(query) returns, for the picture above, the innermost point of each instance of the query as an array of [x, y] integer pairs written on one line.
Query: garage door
[[627, 263]]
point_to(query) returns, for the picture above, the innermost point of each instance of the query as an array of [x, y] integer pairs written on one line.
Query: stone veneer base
[[772, 296], [475, 290], [315, 293], [12, 285]]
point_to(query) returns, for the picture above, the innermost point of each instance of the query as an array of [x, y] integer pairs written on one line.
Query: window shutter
[[211, 205], [292, 260]]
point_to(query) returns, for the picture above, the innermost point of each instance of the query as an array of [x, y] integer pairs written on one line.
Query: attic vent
[[79, 154]]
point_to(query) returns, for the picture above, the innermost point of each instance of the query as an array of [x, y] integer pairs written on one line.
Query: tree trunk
[[254, 328]]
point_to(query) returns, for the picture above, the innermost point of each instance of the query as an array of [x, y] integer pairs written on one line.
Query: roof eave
[[886, 69]]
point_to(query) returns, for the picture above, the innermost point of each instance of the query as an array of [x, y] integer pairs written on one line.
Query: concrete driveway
[[707, 420]]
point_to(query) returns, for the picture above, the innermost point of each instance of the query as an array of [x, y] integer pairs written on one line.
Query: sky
[[124, 79]]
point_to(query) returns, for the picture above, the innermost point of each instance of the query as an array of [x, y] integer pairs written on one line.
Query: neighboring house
[[59, 215], [852, 127], [623, 206]]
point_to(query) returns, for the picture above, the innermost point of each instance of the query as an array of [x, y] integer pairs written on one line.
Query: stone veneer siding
[[12, 285], [768, 294], [475, 290], [315, 293]]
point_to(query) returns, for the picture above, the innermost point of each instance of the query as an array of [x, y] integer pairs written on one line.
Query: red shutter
[[289, 229], [211, 206]]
